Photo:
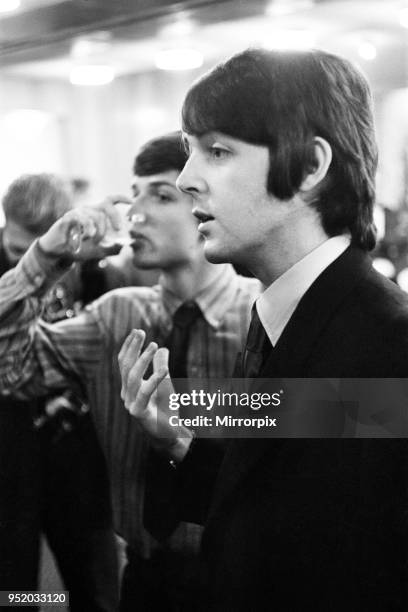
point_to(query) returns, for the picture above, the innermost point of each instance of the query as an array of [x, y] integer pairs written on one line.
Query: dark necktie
[[257, 349], [178, 340]]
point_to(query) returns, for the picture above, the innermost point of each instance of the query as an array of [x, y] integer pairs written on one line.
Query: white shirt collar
[[279, 301]]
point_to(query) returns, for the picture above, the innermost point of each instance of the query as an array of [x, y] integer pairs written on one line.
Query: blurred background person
[[52, 470]]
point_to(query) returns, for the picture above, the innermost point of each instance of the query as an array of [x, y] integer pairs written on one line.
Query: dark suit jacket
[[316, 524]]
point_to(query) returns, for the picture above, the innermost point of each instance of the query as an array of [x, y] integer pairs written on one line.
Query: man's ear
[[321, 165]]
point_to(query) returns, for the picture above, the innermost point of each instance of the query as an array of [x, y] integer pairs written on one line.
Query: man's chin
[[143, 264], [214, 255]]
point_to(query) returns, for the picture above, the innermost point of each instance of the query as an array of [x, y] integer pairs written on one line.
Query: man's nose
[[136, 213], [189, 180]]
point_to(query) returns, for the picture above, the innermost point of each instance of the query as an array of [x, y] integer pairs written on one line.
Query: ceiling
[[41, 39]]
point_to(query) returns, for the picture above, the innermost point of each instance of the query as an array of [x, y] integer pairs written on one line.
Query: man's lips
[[202, 216], [137, 239]]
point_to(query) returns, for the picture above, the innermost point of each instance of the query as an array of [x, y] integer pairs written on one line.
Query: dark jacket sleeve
[[181, 493]]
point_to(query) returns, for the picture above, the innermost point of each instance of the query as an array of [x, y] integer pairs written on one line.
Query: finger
[[120, 199], [126, 344], [130, 352], [138, 367], [161, 360], [146, 391], [131, 383], [90, 250], [131, 355], [108, 206]]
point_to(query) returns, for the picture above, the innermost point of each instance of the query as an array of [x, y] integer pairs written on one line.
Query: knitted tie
[[178, 340], [257, 349]]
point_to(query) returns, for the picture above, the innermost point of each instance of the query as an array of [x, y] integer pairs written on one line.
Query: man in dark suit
[[282, 167]]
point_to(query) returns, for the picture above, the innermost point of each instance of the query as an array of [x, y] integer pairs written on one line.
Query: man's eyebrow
[[162, 184], [155, 184]]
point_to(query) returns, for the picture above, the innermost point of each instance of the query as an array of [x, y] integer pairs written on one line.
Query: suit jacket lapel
[[287, 360], [313, 313]]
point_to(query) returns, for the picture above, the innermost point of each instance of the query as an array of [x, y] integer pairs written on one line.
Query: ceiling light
[[403, 17], [367, 51], [294, 40], [179, 59], [91, 75], [88, 46], [9, 5], [179, 27]]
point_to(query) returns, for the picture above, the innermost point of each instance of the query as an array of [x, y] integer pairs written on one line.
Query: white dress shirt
[[279, 301]]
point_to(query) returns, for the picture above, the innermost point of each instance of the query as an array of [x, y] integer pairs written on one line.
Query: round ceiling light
[[91, 75], [367, 51]]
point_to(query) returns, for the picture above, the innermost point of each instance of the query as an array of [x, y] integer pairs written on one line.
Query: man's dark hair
[[283, 101], [161, 155], [36, 201]]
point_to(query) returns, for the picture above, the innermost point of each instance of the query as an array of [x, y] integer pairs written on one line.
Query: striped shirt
[[82, 352]]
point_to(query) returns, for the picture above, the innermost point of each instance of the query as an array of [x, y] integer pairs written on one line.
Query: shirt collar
[[279, 301], [214, 299]]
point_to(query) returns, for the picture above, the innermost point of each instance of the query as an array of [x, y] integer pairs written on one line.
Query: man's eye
[[163, 197], [218, 152], [15, 249]]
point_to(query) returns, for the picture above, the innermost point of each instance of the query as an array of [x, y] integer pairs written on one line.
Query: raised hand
[[147, 400], [79, 227]]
